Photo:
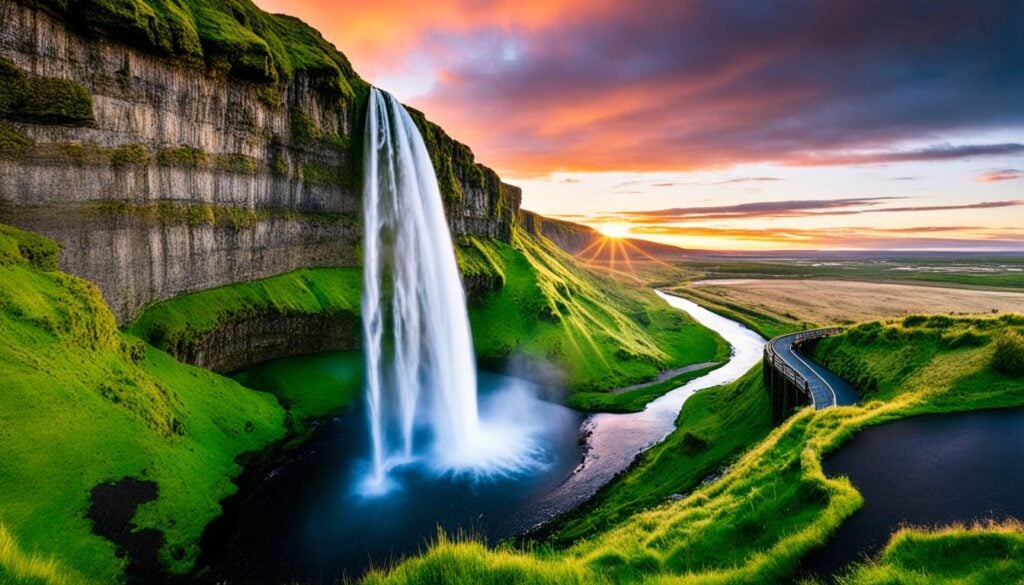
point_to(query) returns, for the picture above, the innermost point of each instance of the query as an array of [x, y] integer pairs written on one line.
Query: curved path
[[826, 388], [613, 441]]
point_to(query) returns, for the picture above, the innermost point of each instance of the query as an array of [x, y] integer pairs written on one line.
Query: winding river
[[302, 521], [615, 440]]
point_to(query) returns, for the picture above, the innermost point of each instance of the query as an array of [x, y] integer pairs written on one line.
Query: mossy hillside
[[598, 331], [232, 37], [454, 163], [179, 325], [774, 504], [961, 555], [310, 386], [84, 404]]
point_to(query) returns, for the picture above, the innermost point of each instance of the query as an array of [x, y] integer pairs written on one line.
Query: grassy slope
[[84, 404], [599, 331], [774, 505], [976, 555], [301, 385], [177, 325]]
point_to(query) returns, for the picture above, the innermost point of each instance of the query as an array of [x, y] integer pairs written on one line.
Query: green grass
[[632, 400], [974, 555], [85, 404], [713, 427], [774, 504], [179, 325], [310, 386], [598, 331]]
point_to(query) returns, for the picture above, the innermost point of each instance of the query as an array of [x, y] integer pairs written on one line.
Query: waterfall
[[420, 369]]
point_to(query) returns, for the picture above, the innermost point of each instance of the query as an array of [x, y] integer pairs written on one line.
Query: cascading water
[[420, 367]]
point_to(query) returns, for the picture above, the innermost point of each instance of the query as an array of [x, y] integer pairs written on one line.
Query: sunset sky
[[722, 125]]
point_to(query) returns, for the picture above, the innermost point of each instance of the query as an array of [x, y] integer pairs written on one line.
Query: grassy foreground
[[774, 505], [85, 404], [961, 555]]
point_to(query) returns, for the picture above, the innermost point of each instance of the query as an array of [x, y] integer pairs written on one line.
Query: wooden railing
[[774, 364]]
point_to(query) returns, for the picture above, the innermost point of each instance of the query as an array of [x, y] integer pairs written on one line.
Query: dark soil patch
[[112, 514]]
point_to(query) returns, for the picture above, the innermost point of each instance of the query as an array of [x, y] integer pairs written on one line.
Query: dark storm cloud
[[682, 85]]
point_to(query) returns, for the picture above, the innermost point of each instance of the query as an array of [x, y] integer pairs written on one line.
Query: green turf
[[310, 386], [632, 400], [957, 555], [85, 404], [178, 325]]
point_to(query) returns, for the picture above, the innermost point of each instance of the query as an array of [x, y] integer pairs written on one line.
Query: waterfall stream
[[419, 354]]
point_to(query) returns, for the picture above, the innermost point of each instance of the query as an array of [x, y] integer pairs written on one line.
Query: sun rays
[[617, 255]]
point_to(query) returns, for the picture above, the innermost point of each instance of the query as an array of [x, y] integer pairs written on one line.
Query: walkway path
[[827, 389]]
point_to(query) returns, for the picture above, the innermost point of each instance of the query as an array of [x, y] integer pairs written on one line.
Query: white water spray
[[420, 370]]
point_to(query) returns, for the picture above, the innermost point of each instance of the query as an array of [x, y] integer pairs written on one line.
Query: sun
[[615, 230]]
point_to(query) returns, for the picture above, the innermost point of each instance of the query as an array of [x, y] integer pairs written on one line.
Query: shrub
[[13, 144], [914, 320], [183, 156], [129, 154], [1009, 355], [236, 163]]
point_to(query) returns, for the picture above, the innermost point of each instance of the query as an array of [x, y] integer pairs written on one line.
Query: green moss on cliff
[[236, 163], [182, 156], [230, 216], [233, 37], [42, 100], [453, 161], [13, 144], [129, 154], [83, 404], [178, 325]]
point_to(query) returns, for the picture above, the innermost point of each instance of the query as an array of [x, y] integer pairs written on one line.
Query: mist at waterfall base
[[304, 521], [421, 390]]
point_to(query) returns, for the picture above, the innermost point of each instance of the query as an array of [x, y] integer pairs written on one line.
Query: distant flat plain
[[821, 301]]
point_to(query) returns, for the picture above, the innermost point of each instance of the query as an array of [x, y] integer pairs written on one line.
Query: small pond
[[926, 471]]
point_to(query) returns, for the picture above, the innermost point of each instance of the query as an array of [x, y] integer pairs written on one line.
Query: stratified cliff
[[176, 147]]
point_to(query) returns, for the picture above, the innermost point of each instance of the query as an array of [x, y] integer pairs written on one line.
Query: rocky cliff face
[[162, 175]]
